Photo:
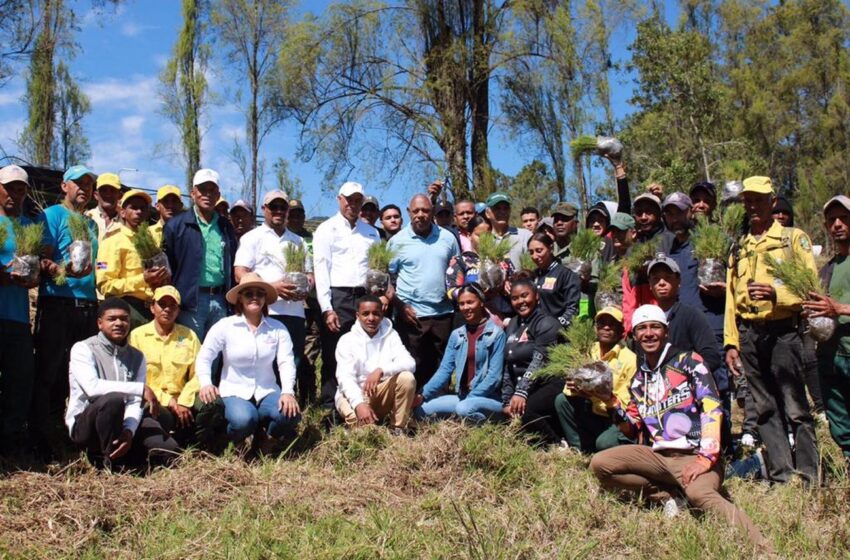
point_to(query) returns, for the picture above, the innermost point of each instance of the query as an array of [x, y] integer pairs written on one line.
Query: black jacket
[[690, 331], [528, 342], [560, 291]]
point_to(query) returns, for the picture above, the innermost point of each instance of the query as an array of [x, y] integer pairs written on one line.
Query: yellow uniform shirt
[[156, 232], [623, 362], [779, 242], [119, 271], [170, 361]]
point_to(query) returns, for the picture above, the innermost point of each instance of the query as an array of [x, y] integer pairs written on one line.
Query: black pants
[[16, 376], [343, 303], [96, 427], [59, 324], [306, 373], [426, 342], [541, 417], [773, 364]]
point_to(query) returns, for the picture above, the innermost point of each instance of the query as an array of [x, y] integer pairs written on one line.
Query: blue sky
[[121, 53]]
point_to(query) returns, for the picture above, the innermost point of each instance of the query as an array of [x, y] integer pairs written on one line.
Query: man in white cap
[[340, 244], [106, 214], [262, 250], [16, 183], [200, 246], [674, 400]]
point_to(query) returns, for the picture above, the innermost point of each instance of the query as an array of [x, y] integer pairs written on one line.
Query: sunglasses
[[253, 294], [277, 207]]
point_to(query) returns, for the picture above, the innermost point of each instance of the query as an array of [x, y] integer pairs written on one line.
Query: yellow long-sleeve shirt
[[624, 364], [119, 270], [156, 232], [750, 266], [170, 361]]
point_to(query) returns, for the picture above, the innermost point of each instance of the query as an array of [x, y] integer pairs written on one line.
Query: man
[[107, 387], [762, 335], [168, 204], [16, 358], [422, 254], [15, 181], [369, 212], [622, 229], [340, 244], [262, 251], [306, 371], [374, 371], [391, 221], [170, 351], [119, 270], [585, 420], [783, 212], [444, 215], [647, 214], [107, 194], [200, 246], [565, 225], [498, 211], [674, 401], [222, 208], [464, 212], [704, 198], [67, 312], [530, 218], [242, 218]]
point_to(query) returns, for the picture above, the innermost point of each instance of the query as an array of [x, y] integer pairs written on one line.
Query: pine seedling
[[797, 278], [583, 145], [61, 277], [732, 220], [145, 244], [379, 256], [295, 256], [710, 241], [78, 227], [491, 250], [585, 245], [28, 238], [564, 358], [641, 254], [610, 276], [526, 262]]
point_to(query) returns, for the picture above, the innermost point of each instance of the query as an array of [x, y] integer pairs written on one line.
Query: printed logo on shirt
[[548, 284]]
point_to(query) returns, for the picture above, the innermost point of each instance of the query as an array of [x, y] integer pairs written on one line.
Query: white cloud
[[133, 29], [132, 124], [11, 97], [138, 92]]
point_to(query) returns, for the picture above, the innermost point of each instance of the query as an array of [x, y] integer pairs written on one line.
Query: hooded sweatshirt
[[358, 355]]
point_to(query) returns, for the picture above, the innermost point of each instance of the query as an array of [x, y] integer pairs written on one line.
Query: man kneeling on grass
[[674, 399], [107, 378], [374, 370]]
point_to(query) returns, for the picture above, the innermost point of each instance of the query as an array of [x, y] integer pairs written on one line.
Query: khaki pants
[[393, 397], [657, 475]]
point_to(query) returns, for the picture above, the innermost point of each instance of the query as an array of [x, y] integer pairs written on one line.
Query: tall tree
[[72, 105], [184, 86], [18, 24], [252, 32]]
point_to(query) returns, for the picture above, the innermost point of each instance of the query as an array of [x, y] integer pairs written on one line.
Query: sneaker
[[674, 506], [748, 440]]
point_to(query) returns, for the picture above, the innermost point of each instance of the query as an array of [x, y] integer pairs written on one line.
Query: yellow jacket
[[170, 362], [749, 265], [156, 232], [119, 269], [624, 364]]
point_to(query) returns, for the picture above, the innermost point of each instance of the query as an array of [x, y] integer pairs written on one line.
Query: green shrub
[[379, 256]]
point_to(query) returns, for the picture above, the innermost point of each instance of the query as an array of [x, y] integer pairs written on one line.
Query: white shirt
[[339, 255], [248, 357], [261, 250], [85, 385]]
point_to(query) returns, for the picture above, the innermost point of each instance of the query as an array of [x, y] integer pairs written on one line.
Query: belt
[[69, 302], [356, 290], [788, 324], [211, 290]]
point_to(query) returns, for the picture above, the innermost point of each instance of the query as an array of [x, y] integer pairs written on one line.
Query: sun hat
[[251, 280]]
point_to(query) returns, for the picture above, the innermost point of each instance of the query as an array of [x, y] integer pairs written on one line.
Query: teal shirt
[[212, 273], [58, 239], [839, 288], [14, 299]]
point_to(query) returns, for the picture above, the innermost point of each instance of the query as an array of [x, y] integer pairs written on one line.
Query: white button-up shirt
[[248, 357], [339, 255], [261, 250]]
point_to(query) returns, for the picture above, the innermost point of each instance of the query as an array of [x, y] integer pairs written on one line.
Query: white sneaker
[[674, 506], [748, 440]]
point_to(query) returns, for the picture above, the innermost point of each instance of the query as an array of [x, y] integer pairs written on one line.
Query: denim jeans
[[475, 409], [244, 417], [210, 309]]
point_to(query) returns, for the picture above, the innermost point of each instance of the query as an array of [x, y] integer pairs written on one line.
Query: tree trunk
[[42, 85], [578, 169], [480, 102]]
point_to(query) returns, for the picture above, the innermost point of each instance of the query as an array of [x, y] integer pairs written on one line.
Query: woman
[[529, 336], [464, 269], [558, 286], [475, 354], [250, 343]]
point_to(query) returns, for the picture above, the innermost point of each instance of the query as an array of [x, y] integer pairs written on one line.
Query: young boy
[[374, 370]]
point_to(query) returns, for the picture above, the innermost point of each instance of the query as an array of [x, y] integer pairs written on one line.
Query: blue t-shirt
[[420, 265], [57, 236], [14, 300]]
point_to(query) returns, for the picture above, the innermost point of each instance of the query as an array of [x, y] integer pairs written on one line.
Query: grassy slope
[[451, 492]]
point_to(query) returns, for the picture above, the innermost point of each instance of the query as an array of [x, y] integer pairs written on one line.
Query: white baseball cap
[[349, 188], [205, 176], [647, 313], [13, 173]]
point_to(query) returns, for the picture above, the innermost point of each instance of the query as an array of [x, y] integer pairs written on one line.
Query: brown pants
[[393, 397], [657, 475]]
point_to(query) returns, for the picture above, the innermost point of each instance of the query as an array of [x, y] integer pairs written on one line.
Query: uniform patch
[[805, 244], [549, 284]]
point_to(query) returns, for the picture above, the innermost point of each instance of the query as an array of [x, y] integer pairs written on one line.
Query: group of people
[[218, 342]]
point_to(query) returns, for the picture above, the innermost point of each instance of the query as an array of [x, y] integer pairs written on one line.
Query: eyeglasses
[[277, 207], [252, 294]]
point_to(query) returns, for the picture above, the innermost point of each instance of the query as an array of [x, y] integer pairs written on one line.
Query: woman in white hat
[[250, 343]]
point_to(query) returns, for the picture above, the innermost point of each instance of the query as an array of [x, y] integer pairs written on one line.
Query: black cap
[[706, 186], [444, 206]]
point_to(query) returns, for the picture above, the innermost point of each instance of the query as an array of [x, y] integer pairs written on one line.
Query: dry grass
[[450, 492]]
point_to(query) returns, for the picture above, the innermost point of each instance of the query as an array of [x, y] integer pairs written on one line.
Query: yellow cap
[[222, 201], [614, 312], [163, 291], [134, 192], [166, 190], [758, 185], [108, 180]]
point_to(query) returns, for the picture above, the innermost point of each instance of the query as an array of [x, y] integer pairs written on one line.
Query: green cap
[[496, 198], [622, 221], [565, 209]]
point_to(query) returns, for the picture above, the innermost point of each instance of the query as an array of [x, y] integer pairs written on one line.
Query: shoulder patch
[[805, 244]]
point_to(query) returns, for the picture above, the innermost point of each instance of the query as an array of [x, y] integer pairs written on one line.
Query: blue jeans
[[475, 409], [210, 310], [244, 417]]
